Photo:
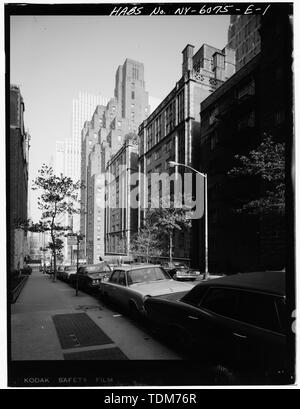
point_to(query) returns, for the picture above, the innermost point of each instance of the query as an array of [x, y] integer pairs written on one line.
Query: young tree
[[167, 219], [267, 162], [59, 194], [146, 243]]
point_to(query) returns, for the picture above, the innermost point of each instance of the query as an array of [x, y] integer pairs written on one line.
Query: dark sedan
[[172, 267], [238, 322], [90, 276]]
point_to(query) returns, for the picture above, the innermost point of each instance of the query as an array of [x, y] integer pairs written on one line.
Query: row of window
[[240, 30], [167, 147], [249, 44], [243, 92], [166, 121]]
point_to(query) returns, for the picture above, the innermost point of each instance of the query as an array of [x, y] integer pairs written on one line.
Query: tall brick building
[[121, 217], [18, 179], [171, 132], [89, 139], [256, 101], [244, 37]]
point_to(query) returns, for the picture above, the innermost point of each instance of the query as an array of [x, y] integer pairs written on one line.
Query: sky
[[53, 58]]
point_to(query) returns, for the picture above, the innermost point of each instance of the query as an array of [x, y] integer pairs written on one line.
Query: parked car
[[238, 322], [60, 272], [90, 276], [68, 272], [172, 267], [27, 269], [129, 286], [184, 273], [48, 270]]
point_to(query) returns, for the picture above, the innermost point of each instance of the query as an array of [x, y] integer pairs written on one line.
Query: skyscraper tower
[[102, 137], [59, 160], [82, 109], [130, 93]]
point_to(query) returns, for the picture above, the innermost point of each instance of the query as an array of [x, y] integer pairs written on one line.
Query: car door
[[81, 277], [111, 287], [212, 321], [121, 290], [260, 340]]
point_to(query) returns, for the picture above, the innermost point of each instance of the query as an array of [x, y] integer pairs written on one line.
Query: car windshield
[[99, 268], [168, 265], [147, 274], [71, 268]]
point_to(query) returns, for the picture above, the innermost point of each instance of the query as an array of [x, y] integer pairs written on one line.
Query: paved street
[[48, 322]]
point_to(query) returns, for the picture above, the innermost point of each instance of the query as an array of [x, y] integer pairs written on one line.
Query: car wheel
[[221, 375]]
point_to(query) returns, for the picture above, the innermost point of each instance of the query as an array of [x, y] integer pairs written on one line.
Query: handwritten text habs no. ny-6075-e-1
[[205, 9]]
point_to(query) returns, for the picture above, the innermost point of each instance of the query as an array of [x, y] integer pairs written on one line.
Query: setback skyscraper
[[102, 137]]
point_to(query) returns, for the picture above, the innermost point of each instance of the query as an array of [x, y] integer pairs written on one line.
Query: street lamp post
[[204, 175]]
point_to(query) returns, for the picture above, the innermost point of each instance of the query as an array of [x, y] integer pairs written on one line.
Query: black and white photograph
[[150, 195]]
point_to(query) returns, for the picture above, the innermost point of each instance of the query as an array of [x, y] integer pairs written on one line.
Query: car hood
[[161, 287], [172, 296]]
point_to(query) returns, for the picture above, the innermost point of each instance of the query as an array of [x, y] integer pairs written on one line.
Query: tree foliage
[[145, 243], [160, 222], [267, 162], [59, 195]]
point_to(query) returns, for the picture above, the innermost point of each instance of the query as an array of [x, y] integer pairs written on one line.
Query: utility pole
[[77, 263], [205, 176]]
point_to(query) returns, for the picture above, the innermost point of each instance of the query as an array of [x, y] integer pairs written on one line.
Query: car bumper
[[93, 286], [187, 276]]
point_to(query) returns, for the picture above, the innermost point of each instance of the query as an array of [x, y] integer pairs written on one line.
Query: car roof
[[135, 266], [94, 265], [265, 281]]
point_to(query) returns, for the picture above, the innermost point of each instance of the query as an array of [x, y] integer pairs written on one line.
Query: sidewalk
[[49, 322], [34, 336]]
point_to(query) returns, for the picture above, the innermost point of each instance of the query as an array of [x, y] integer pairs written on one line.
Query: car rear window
[[195, 295], [71, 268], [258, 309], [221, 301], [98, 268], [147, 274], [114, 278]]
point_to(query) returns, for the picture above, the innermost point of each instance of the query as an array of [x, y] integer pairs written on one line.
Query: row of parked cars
[[88, 277], [237, 322]]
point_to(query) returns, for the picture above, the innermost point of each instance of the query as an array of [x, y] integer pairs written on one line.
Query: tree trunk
[[54, 256], [148, 246], [171, 246], [54, 244], [54, 264]]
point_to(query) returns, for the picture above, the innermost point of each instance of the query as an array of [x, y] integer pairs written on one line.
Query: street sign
[[72, 240]]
